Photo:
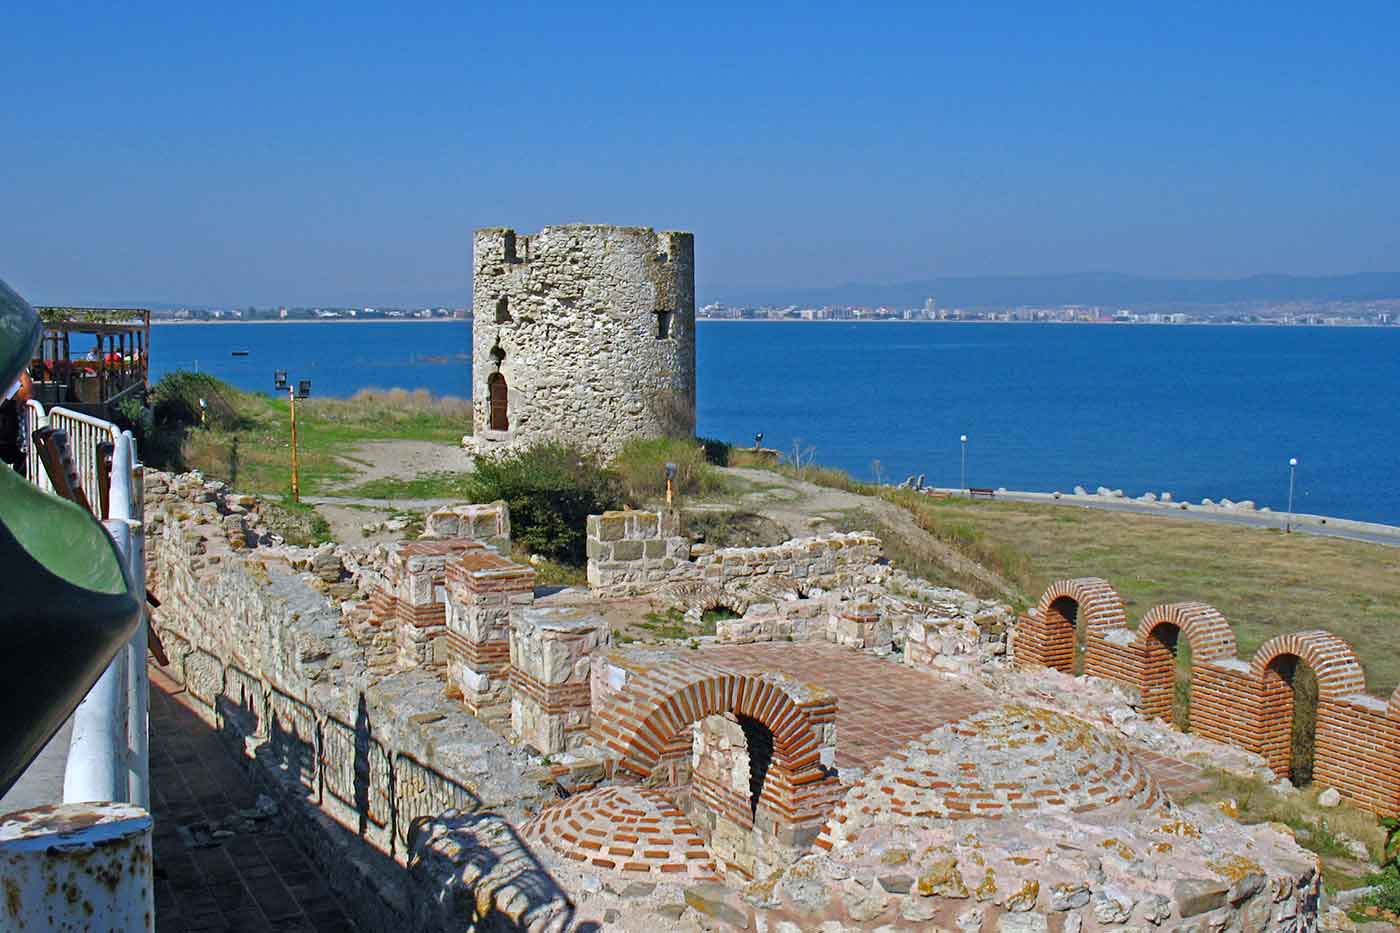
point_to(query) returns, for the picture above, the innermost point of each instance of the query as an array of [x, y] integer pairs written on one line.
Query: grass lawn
[[255, 453], [1265, 582]]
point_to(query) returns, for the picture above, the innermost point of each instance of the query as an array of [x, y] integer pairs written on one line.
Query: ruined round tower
[[582, 333]]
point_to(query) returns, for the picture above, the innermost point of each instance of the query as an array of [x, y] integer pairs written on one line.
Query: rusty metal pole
[[80, 866], [296, 480]]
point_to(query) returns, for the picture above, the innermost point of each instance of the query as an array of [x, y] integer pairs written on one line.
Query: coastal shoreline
[[155, 322], [1303, 522]]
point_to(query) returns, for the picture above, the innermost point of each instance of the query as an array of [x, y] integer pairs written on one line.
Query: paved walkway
[[41, 784], [222, 863]]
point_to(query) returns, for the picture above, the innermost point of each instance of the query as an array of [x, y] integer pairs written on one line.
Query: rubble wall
[[359, 757], [635, 552]]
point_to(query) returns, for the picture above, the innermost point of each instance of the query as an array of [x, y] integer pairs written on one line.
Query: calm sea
[[1198, 411]]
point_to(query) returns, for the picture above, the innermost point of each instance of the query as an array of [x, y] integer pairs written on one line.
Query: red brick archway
[[1204, 629], [647, 724], [661, 725], [1048, 634], [1339, 675]]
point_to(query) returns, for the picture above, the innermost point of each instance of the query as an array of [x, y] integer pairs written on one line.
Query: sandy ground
[[385, 460], [404, 460]]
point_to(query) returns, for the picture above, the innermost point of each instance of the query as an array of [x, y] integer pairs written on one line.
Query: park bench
[[982, 492]]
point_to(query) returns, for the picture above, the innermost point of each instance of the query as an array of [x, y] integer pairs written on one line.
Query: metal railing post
[[97, 761]]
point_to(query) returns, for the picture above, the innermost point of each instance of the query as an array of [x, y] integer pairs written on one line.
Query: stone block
[[628, 550]]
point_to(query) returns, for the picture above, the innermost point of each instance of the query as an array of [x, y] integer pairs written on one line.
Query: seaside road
[[1322, 526]]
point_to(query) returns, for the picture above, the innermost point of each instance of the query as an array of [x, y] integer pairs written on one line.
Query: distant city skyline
[[342, 155]]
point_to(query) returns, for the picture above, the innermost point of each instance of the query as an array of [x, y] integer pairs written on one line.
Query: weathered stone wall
[[1248, 705], [940, 630], [358, 754], [592, 328], [636, 549], [635, 552], [488, 523]]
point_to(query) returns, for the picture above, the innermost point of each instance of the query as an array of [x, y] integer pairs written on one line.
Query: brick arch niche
[[1159, 636], [1248, 704], [1050, 634], [784, 730], [1339, 676]]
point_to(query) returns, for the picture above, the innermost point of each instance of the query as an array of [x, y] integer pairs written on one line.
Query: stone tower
[[582, 333]]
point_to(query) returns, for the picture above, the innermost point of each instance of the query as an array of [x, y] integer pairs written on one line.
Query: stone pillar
[[485, 592], [859, 625], [549, 658], [416, 573]]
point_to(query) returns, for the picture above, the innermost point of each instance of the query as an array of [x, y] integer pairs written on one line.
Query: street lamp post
[[963, 487], [301, 390], [1292, 469]]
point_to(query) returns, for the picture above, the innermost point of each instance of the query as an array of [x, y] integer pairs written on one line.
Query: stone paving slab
[[255, 878]]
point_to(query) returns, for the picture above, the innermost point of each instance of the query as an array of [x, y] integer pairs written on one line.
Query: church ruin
[[582, 333]]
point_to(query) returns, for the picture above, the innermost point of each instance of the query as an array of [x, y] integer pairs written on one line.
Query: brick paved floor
[[881, 705], [1180, 779], [253, 880]]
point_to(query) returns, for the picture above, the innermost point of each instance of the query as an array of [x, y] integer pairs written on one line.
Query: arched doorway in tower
[[498, 399], [1291, 693]]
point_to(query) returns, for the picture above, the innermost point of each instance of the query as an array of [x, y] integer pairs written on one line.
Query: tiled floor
[[881, 705], [252, 880]]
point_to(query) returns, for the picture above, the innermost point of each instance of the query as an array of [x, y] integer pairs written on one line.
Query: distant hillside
[[1086, 289]]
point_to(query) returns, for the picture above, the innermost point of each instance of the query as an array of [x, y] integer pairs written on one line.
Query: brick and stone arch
[[1048, 635], [1339, 677], [599, 325], [647, 724], [1158, 636]]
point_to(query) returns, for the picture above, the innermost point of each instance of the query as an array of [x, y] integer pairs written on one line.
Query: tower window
[[663, 324], [510, 246], [502, 310]]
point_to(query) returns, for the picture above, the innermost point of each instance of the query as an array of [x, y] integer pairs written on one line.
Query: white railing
[[109, 756], [34, 419], [85, 433]]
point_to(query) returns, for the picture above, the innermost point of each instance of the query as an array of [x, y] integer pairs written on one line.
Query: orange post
[[296, 483]]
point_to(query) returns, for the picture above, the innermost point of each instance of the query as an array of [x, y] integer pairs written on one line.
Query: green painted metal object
[[66, 605]]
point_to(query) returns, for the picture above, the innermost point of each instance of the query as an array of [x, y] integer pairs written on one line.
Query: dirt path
[[372, 460], [803, 508]]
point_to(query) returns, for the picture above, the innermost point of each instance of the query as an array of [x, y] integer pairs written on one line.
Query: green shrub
[[641, 468], [175, 401], [551, 490], [716, 451]]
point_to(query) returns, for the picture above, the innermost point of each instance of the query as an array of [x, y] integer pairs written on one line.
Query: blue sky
[[258, 154]]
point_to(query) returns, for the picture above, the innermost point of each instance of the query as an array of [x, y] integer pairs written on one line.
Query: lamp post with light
[[301, 390], [964, 462], [1292, 469]]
